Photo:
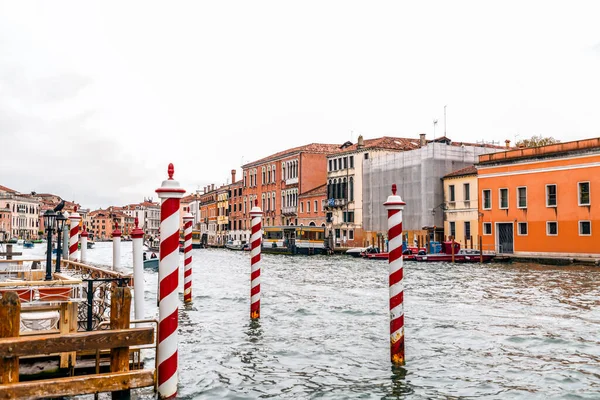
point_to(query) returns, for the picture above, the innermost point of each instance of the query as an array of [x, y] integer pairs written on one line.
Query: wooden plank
[[78, 341], [76, 385], [10, 324], [120, 311]]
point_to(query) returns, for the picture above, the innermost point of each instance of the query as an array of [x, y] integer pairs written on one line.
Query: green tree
[[536, 141]]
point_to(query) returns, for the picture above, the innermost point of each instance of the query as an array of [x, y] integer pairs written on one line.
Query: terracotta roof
[[470, 170], [443, 139], [5, 189], [319, 148], [385, 142], [319, 190]]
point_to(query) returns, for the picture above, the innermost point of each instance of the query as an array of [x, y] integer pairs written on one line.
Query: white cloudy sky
[[96, 99]]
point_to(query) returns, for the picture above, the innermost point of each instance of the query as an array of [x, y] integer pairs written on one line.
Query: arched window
[[338, 189], [269, 174], [273, 170], [344, 192], [311, 223], [264, 175], [351, 190]]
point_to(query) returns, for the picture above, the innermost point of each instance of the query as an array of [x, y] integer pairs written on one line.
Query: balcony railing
[[331, 203], [291, 210], [291, 181]]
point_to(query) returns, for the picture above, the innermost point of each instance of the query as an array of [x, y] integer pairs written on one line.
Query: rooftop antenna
[[435, 121], [445, 119]]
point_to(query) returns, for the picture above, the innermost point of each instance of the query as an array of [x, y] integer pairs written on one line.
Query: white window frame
[[526, 199], [548, 226], [307, 206], [500, 199], [579, 193], [519, 229], [483, 199], [556, 190], [483, 227], [579, 227]]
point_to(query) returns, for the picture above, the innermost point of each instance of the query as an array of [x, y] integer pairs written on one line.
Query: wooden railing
[[118, 339]]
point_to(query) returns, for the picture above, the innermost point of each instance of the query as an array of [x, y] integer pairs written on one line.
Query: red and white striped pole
[[74, 217], [255, 259], [394, 206], [116, 239], [187, 257], [168, 274], [83, 238]]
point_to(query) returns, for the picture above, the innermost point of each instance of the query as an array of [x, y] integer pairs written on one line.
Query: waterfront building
[[542, 201], [311, 211], [344, 205], [222, 214], [208, 215], [237, 230], [418, 174], [101, 224], [277, 180], [461, 206], [24, 213]]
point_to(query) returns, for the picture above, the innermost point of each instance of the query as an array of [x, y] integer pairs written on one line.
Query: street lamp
[[49, 218], [60, 223]]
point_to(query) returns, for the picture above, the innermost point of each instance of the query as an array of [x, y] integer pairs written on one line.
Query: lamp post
[[49, 218], [60, 223]]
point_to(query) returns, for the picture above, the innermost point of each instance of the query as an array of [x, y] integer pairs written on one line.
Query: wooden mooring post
[[452, 249], [480, 249], [10, 324], [120, 311]]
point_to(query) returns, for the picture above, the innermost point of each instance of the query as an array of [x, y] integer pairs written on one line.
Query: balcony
[[289, 210], [291, 181], [332, 203]]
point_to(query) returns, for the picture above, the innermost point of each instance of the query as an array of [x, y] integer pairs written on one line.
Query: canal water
[[493, 331]]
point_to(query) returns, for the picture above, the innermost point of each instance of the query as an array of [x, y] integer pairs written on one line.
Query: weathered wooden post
[[187, 258], [394, 206], [452, 248], [116, 239], [120, 306], [74, 217], [168, 275], [137, 237], [10, 317], [255, 259], [83, 238]]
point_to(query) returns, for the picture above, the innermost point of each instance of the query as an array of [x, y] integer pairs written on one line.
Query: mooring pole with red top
[[394, 206], [255, 259], [187, 257]]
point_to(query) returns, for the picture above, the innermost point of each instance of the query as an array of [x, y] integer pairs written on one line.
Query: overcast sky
[[97, 98]]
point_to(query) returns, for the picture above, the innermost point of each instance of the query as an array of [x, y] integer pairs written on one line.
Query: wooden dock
[[66, 346]]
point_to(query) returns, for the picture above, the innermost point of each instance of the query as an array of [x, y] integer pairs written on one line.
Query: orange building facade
[[541, 201], [310, 204]]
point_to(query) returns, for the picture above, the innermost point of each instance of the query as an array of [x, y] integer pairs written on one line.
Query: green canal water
[[493, 331]]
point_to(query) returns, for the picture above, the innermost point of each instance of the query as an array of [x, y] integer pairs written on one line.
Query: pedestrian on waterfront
[[145, 257], [153, 255]]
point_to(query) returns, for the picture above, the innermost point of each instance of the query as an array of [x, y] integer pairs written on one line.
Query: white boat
[[20, 242], [234, 245]]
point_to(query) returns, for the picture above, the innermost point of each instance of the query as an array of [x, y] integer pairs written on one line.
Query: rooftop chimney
[[360, 142], [233, 176], [422, 140], [212, 187], [507, 143]]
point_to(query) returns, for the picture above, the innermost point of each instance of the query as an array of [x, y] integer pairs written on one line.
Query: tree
[[536, 141]]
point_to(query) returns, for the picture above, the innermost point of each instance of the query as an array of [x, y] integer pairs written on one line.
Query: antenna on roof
[[445, 119]]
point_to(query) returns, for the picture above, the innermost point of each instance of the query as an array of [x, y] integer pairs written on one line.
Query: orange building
[[310, 203], [542, 200]]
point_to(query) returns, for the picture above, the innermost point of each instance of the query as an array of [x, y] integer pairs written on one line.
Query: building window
[[522, 228], [451, 193], [584, 193], [348, 216], [315, 209], [308, 206], [301, 207], [264, 176], [550, 195], [335, 164], [503, 198], [522, 197], [366, 156], [351, 161], [467, 229], [487, 228], [331, 165], [452, 229], [345, 162], [585, 228], [467, 191], [552, 228], [487, 199]]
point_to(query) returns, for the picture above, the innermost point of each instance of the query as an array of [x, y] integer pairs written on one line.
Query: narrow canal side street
[[494, 331]]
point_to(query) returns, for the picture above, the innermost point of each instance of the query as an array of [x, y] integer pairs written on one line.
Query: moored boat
[[151, 263], [356, 251], [234, 245], [28, 244]]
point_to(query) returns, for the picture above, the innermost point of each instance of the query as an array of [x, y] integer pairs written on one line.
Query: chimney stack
[[507, 143], [422, 140], [360, 143], [212, 187], [233, 176]]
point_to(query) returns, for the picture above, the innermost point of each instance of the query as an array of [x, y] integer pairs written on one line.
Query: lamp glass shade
[[60, 221], [49, 219]]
